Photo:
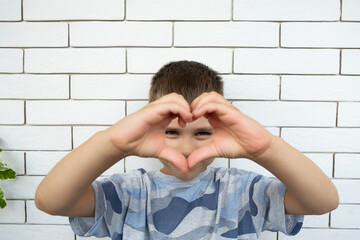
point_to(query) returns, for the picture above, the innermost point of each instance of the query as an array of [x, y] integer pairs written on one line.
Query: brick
[[11, 60], [350, 10], [75, 60], [251, 87], [323, 35], [83, 133], [349, 114], [38, 232], [110, 86], [276, 113], [74, 112], [350, 61], [27, 34], [35, 138], [15, 160], [10, 10], [150, 60], [73, 10], [347, 165], [14, 212], [316, 221], [323, 139], [36, 216], [40, 163], [11, 112], [226, 34], [338, 88], [302, 61], [121, 34], [25, 86], [178, 10], [329, 234], [134, 106], [283, 10], [346, 190], [346, 216], [21, 187]]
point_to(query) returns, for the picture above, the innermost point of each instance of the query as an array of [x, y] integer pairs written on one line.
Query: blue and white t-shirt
[[219, 203]]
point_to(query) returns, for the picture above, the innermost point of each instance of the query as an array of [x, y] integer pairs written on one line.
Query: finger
[[206, 109], [196, 100], [174, 157], [168, 110], [210, 98], [174, 97], [201, 154], [177, 108], [181, 122], [185, 115], [206, 97]]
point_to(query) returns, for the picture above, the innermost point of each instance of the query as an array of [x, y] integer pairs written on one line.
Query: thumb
[[174, 157], [201, 154]]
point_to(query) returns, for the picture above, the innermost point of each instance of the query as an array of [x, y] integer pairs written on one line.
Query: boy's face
[[185, 140]]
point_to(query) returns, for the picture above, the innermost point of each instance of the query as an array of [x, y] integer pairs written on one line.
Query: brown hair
[[188, 78]]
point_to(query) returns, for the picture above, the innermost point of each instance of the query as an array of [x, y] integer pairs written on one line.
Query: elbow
[[42, 207], [325, 209], [331, 205], [39, 204], [335, 202]]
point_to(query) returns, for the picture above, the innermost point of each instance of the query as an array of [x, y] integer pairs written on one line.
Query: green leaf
[[2, 199], [0, 150], [6, 172]]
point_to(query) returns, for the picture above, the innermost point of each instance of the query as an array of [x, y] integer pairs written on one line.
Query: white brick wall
[[69, 69]]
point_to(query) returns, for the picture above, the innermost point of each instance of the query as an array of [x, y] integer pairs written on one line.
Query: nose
[[187, 147]]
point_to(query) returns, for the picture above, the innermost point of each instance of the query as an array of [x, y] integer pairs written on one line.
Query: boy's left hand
[[235, 134]]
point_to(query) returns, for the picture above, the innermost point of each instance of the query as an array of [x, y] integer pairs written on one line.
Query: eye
[[170, 132], [204, 133]]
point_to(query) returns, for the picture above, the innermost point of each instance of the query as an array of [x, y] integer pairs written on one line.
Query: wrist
[[110, 150], [267, 154]]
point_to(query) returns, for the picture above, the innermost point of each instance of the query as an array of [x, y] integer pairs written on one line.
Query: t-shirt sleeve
[[270, 195], [109, 204]]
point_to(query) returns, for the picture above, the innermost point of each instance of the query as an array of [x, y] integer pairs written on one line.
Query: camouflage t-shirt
[[219, 203]]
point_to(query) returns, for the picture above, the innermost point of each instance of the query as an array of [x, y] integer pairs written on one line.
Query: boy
[[186, 125]]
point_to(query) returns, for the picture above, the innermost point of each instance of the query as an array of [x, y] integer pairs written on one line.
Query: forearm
[[73, 174], [301, 176]]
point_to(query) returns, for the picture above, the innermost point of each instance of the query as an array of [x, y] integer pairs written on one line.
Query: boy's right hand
[[143, 133]]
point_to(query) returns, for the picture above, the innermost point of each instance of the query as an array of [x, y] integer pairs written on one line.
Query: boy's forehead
[[201, 122]]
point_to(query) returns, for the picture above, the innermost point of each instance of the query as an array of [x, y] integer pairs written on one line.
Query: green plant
[[5, 173]]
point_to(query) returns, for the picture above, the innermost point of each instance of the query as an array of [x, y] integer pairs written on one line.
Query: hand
[[235, 134], [143, 132]]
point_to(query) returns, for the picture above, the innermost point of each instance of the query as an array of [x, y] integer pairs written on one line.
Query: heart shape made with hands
[[235, 134], [200, 122], [221, 145]]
